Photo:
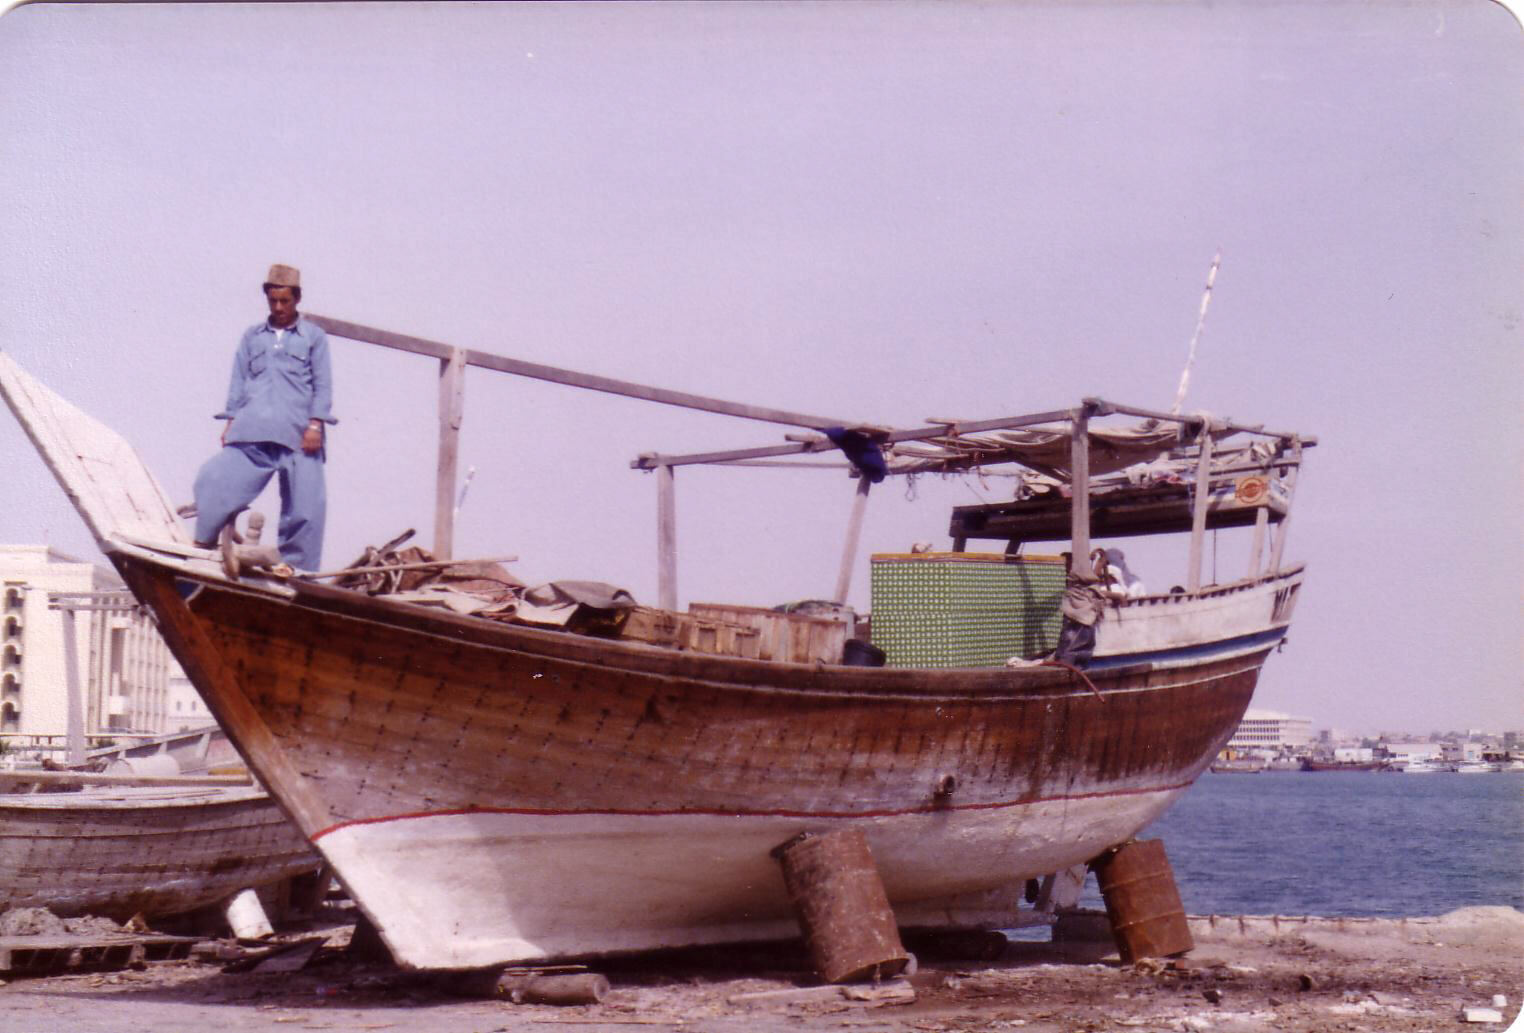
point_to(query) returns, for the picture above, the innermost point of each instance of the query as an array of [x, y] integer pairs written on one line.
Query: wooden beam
[[652, 460], [1199, 512], [1120, 513], [1079, 484], [571, 378], [666, 539], [1280, 534], [1257, 546], [854, 535], [1105, 408], [452, 393]]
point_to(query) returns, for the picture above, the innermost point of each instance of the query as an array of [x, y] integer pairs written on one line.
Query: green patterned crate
[[965, 609]]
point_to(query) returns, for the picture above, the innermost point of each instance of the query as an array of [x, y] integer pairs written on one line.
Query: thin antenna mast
[[1190, 359]]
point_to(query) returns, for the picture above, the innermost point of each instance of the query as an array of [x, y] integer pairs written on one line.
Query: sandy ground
[[1284, 975]]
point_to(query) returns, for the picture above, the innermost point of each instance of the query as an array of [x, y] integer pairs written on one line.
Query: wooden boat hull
[[154, 852], [493, 793]]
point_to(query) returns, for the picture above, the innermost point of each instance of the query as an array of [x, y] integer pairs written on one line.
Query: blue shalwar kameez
[[281, 381]]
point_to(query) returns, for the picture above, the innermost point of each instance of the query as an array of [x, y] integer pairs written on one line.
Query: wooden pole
[[74, 684], [651, 461], [1257, 546], [452, 391], [571, 378], [1079, 484], [666, 539], [1199, 513], [854, 535], [1280, 534]]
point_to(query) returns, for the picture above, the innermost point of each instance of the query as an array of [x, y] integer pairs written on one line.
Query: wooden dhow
[[491, 792], [156, 828], [150, 850]]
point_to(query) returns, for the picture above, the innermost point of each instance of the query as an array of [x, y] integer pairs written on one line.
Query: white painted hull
[[1232, 619], [476, 889]]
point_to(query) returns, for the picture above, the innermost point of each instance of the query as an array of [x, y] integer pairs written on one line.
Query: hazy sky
[[878, 211]]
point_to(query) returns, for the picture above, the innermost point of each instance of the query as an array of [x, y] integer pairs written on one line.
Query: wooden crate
[[790, 637], [691, 633]]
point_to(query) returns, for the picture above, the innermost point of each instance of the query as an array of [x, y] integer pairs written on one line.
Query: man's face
[[282, 306]]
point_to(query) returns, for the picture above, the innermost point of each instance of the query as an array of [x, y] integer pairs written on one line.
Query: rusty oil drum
[[843, 911], [1142, 902]]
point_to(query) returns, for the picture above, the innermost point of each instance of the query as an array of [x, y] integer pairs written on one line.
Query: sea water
[[1345, 843]]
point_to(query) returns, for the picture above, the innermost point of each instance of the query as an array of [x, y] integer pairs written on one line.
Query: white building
[[122, 664], [1271, 731], [187, 710], [1461, 752], [1408, 752]]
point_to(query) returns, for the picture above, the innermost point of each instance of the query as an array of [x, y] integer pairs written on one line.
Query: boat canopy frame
[[1241, 487]]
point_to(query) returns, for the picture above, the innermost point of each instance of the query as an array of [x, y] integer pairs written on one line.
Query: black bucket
[[857, 653]]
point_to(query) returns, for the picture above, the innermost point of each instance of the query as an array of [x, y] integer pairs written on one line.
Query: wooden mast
[[1079, 486], [1291, 479], [1257, 546], [666, 539], [854, 535], [1199, 513], [452, 390]]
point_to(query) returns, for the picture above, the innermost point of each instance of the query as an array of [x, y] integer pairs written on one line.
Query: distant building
[[186, 710], [1461, 753], [123, 665], [1272, 731], [1407, 752]]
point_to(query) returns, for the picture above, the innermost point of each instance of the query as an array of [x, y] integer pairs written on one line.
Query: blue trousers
[[235, 476]]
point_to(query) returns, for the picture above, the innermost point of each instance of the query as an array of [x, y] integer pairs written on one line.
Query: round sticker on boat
[[1251, 491]]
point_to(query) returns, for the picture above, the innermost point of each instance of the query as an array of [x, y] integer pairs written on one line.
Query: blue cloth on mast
[[861, 451]]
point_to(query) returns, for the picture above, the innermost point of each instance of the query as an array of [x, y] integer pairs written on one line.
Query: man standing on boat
[[280, 397]]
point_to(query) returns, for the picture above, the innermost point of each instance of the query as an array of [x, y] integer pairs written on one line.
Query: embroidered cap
[[284, 276]]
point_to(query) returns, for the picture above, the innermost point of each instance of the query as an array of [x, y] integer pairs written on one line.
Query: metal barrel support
[[1142, 901], [843, 911]]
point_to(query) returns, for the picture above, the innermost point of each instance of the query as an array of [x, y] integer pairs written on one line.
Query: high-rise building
[[121, 664]]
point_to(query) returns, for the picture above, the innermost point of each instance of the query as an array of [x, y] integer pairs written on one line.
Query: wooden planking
[[220, 686], [575, 736], [83, 778], [99, 472], [122, 852]]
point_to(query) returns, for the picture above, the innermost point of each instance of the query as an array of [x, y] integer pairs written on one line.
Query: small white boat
[[1418, 767], [1471, 767]]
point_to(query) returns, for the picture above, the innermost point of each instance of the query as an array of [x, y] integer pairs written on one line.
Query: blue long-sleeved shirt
[[279, 385]]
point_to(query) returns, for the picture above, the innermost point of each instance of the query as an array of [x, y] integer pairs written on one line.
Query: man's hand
[[312, 438]]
